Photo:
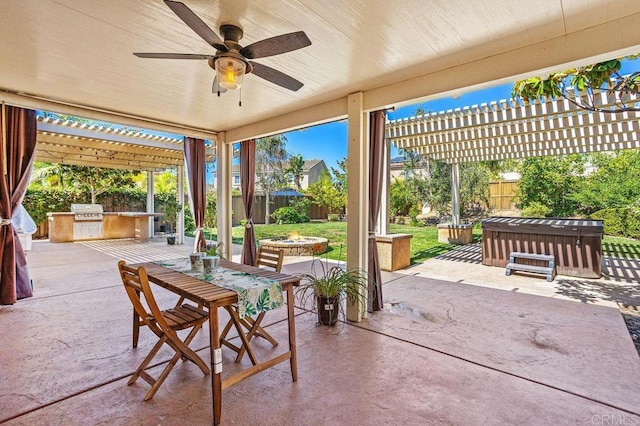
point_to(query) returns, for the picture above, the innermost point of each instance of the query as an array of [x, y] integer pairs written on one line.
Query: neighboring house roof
[[309, 164]]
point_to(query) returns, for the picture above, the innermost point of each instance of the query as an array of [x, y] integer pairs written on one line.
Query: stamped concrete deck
[[441, 352]]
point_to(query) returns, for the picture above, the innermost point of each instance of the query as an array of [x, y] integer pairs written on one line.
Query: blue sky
[[329, 141]]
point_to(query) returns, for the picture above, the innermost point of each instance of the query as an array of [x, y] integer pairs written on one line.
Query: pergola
[[94, 144], [513, 129], [75, 57]]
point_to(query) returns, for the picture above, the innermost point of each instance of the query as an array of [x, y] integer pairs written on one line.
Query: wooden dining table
[[213, 297]]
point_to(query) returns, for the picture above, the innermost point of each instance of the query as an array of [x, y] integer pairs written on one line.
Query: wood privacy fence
[[259, 208], [502, 195]]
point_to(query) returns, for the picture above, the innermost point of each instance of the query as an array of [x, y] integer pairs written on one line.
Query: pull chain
[[240, 103]]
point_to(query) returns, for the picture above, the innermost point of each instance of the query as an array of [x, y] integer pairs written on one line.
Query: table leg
[[292, 334], [216, 370]]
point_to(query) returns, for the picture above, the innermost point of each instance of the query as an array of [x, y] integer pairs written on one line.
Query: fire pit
[[297, 245]]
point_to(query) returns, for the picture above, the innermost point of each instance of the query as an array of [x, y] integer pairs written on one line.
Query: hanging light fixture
[[230, 72]]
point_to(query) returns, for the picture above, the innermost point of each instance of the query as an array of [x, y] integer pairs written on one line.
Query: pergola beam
[[509, 129], [104, 163]]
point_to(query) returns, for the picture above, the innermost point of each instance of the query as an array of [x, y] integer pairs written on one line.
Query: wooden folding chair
[[268, 258], [163, 324]]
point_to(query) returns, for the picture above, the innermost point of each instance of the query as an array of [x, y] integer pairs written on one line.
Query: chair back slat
[[269, 258], [136, 282]]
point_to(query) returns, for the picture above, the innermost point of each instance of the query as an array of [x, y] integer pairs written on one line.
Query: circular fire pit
[[297, 246]]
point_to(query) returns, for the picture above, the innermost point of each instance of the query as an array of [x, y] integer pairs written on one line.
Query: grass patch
[[424, 244], [621, 247]]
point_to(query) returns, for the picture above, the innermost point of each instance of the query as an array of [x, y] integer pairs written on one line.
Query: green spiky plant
[[330, 287]]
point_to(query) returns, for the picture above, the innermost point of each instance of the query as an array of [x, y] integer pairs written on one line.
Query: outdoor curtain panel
[[195, 161], [376, 157], [248, 188], [17, 148]]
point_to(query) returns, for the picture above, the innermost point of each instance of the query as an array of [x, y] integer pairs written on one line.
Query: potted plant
[[171, 209], [216, 249], [330, 288]]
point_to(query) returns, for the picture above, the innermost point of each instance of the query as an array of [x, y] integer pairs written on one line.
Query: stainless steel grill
[[87, 212]]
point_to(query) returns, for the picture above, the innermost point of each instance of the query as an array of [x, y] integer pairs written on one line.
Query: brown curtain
[[248, 188], [195, 161], [376, 157], [17, 148]]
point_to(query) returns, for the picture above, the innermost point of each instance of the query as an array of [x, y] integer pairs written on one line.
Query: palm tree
[[296, 169], [271, 160]]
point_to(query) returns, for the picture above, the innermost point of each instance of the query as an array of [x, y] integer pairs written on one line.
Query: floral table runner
[[255, 294]]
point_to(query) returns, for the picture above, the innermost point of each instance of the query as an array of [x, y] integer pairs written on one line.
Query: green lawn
[[424, 244]]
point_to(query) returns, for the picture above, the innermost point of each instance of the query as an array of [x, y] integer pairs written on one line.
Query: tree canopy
[[325, 193], [271, 166], [94, 180], [580, 85]]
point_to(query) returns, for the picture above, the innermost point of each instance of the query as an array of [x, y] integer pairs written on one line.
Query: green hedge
[[624, 222], [40, 201]]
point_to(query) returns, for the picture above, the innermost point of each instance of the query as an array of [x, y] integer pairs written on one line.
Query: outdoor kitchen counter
[[113, 225]]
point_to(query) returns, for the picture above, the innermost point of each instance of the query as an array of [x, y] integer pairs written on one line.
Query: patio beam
[[223, 201], [109, 164], [180, 221], [307, 117], [150, 203], [357, 195], [455, 194]]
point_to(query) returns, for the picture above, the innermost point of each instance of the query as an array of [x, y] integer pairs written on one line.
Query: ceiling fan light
[[230, 72]]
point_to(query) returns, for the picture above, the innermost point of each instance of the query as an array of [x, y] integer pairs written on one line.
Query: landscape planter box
[[576, 244], [394, 251], [455, 234]]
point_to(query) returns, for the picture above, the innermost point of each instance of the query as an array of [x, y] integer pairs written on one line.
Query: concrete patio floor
[[441, 352]]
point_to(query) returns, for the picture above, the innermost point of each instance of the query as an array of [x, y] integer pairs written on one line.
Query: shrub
[[288, 215], [301, 204], [414, 211], [624, 222], [333, 217], [536, 209]]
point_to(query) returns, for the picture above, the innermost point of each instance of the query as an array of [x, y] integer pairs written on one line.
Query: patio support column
[[150, 202], [180, 221], [224, 155], [357, 194], [383, 217], [455, 193]]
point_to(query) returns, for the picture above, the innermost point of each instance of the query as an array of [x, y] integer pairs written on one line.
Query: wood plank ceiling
[[79, 54]]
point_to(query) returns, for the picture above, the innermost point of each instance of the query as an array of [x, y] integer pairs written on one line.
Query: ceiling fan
[[232, 61]]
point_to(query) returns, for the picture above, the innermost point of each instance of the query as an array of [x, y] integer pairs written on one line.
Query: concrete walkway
[[441, 352]]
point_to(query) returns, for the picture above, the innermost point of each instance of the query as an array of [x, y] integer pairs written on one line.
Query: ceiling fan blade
[[196, 24], [171, 56], [276, 77], [276, 45], [216, 88]]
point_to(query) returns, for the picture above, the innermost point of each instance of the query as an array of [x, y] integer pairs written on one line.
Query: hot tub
[[576, 244]]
